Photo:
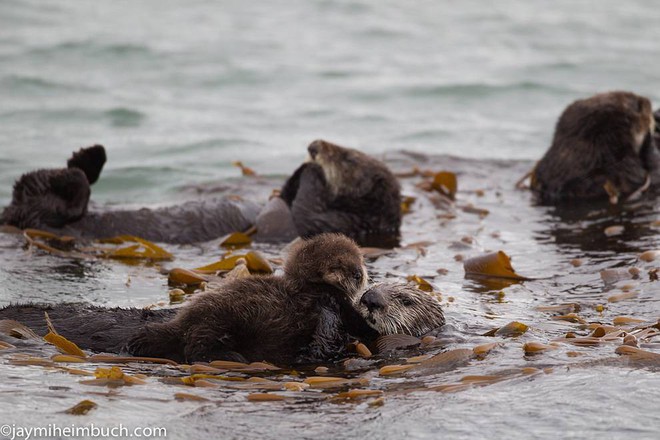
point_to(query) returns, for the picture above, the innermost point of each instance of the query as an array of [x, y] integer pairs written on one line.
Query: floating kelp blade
[[246, 171], [493, 265], [406, 204], [82, 408], [256, 263], [62, 343], [445, 182], [143, 249], [179, 276], [235, 240], [420, 283]]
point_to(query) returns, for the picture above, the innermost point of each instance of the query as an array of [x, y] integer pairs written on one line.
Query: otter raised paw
[[602, 148], [344, 190]]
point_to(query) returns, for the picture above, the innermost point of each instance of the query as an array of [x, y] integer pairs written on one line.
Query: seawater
[[176, 91]]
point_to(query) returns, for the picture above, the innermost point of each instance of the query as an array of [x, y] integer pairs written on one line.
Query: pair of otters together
[[603, 148]]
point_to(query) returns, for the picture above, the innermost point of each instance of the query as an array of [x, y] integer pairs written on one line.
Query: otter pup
[[52, 198], [602, 148], [274, 318], [344, 190], [401, 309], [56, 200]]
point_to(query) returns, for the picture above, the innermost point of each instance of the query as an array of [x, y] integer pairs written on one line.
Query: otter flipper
[[290, 188], [310, 208], [90, 160]]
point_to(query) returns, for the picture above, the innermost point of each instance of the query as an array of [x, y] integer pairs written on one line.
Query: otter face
[[400, 309], [332, 259], [342, 167]]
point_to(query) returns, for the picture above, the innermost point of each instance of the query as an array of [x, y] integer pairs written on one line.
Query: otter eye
[[407, 302], [357, 275]]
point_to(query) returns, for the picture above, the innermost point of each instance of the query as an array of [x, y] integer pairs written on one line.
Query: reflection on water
[[503, 389]]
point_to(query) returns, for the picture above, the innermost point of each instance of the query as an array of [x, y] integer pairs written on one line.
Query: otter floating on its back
[[602, 148], [344, 190], [56, 200]]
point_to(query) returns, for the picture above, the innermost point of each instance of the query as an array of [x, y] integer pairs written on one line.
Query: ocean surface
[[177, 91]]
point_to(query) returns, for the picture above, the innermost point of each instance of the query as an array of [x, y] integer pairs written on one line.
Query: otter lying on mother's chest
[[306, 313], [603, 147], [344, 190]]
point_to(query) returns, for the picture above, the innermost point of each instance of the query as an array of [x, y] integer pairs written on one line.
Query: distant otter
[[274, 318], [344, 190], [52, 198], [401, 309], [56, 200], [602, 148]]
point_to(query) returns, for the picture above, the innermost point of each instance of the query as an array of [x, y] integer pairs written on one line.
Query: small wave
[[19, 83], [477, 89], [89, 48], [124, 117]]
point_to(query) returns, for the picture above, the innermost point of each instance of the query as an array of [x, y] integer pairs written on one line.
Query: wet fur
[[282, 319], [344, 190], [403, 309], [98, 329], [56, 200], [604, 137]]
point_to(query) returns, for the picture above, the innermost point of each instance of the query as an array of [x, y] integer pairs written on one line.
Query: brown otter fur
[[277, 318], [600, 142], [56, 200], [344, 190], [95, 328], [384, 309], [52, 198], [401, 309]]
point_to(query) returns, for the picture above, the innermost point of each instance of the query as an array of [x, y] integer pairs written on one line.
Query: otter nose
[[314, 149], [373, 300]]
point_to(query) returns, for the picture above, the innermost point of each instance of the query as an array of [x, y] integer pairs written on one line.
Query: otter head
[[331, 259], [90, 160], [400, 309], [344, 168], [619, 120]]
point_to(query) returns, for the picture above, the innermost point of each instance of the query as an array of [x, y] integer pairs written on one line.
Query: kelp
[[492, 265]]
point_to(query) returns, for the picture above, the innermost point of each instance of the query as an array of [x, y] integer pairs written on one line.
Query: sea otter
[[392, 308], [602, 148], [56, 200], [52, 198], [388, 308], [319, 332], [274, 318], [344, 190]]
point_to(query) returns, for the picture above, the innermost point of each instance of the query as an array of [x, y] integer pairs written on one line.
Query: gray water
[[176, 91]]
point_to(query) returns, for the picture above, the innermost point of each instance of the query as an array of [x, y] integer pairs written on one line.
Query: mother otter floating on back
[[602, 148], [309, 314], [344, 190]]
